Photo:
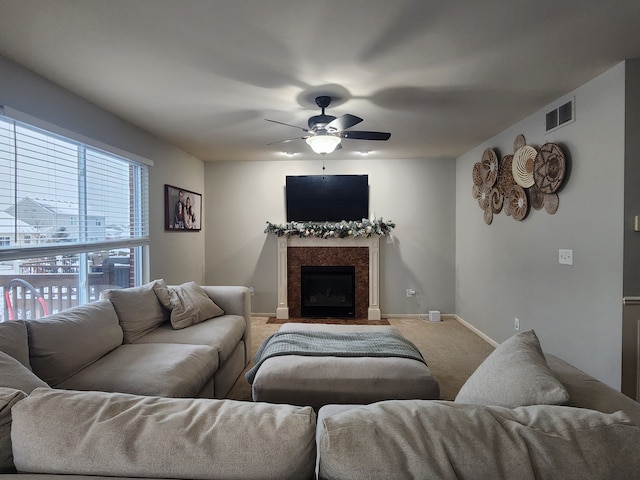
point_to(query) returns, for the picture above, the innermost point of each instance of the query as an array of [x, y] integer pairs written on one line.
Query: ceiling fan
[[326, 131]]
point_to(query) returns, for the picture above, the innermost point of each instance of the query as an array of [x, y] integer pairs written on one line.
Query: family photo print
[[183, 209]]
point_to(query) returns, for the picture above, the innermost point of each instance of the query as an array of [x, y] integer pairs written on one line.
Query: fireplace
[[328, 291], [361, 252]]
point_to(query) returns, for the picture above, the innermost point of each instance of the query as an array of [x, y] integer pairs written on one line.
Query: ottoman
[[320, 380]]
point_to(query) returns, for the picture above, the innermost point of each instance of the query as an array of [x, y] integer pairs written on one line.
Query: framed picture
[[182, 209]]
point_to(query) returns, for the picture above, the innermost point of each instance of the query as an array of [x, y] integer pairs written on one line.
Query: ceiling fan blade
[[287, 140], [287, 124], [366, 135], [343, 122]]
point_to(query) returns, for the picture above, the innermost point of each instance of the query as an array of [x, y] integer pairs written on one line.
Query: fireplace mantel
[[372, 243]]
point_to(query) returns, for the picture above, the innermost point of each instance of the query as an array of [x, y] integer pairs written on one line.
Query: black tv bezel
[[313, 198]]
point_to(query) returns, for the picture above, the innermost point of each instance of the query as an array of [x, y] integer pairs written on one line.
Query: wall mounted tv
[[327, 198]]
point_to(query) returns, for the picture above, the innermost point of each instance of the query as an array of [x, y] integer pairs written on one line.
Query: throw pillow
[[139, 311], [190, 304], [514, 374], [14, 374], [163, 293]]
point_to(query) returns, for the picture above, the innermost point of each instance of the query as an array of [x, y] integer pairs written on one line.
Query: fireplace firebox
[[328, 291]]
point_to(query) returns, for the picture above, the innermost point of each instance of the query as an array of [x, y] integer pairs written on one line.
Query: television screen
[[327, 198]]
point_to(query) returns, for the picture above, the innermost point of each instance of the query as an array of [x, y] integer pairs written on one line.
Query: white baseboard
[[477, 332], [258, 314]]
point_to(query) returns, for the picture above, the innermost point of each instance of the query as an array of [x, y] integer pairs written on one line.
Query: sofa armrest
[[234, 300], [587, 392]]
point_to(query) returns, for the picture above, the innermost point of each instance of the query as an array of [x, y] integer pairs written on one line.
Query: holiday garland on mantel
[[342, 229]]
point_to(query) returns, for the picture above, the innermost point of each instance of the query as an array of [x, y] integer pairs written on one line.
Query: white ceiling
[[441, 76]]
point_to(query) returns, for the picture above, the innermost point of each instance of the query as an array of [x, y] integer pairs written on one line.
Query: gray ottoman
[[319, 380]]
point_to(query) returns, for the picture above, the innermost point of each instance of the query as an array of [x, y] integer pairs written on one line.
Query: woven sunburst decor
[[530, 178], [549, 168]]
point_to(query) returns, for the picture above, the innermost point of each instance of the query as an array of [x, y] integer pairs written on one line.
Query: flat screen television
[[327, 198]]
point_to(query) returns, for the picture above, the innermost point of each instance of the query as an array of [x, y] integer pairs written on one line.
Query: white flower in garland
[[364, 227]]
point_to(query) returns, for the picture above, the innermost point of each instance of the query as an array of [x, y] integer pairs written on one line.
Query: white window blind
[[60, 195]]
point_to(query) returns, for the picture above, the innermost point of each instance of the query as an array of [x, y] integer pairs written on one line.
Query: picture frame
[[177, 203]]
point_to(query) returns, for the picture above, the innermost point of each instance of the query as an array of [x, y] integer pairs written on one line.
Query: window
[[73, 221]]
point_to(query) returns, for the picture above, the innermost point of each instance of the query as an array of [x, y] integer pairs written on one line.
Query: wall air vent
[[560, 116]]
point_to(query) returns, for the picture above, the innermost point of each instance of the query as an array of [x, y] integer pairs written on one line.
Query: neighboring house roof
[[34, 211], [7, 224]]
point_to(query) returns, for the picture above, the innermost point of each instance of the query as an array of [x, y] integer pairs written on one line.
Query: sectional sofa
[[521, 415]]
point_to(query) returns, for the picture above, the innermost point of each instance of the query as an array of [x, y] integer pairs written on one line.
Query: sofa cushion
[[138, 308], [165, 370], [8, 398], [223, 333], [514, 374], [14, 341], [446, 440], [14, 374], [128, 435], [64, 343], [189, 304]]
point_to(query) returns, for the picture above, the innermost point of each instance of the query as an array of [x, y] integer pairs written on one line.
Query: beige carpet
[[451, 350]]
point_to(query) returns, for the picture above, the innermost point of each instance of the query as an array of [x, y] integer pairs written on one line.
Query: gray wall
[[416, 194], [510, 269], [177, 257]]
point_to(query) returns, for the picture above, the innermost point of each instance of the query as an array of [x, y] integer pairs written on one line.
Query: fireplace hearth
[[327, 291]]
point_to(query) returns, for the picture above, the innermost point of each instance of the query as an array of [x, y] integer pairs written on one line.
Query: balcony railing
[[59, 291]]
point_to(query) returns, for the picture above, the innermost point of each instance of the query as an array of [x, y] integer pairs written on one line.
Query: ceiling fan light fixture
[[323, 143]]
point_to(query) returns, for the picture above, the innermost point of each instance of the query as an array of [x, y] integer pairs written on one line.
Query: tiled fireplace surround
[[363, 253]]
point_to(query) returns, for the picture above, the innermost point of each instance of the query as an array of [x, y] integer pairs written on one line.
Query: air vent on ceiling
[[560, 116]]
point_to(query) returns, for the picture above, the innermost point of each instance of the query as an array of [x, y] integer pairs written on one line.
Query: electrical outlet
[[410, 292], [565, 256], [252, 290], [516, 324]]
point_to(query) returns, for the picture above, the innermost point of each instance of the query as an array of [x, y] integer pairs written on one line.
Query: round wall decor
[[522, 167], [549, 168], [537, 197], [490, 166], [484, 199], [477, 174], [488, 216], [519, 142], [505, 176], [496, 200], [551, 202], [518, 203]]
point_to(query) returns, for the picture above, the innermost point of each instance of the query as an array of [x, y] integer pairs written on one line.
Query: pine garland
[[342, 229]]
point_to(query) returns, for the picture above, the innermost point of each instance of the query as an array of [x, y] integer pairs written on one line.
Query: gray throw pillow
[[189, 304], [514, 374], [139, 311]]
